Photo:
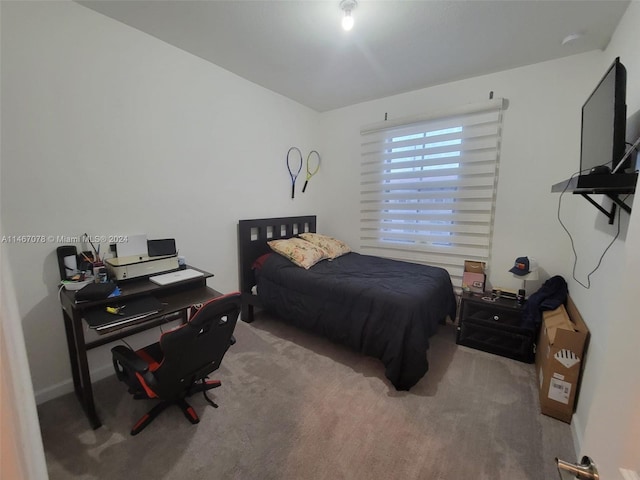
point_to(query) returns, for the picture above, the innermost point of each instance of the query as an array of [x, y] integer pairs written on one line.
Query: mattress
[[383, 308]]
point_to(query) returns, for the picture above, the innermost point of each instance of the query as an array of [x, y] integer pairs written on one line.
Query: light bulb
[[347, 21]]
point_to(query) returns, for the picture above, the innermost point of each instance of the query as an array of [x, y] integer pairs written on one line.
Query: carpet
[[296, 406]]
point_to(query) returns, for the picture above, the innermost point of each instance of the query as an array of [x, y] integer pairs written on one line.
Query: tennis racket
[[313, 165], [296, 165]]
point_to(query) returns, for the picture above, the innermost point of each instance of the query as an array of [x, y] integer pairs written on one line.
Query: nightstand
[[494, 325]]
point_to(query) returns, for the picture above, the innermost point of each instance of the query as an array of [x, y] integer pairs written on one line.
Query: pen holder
[[85, 261]]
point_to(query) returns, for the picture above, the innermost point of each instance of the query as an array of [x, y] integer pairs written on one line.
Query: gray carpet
[[296, 406]]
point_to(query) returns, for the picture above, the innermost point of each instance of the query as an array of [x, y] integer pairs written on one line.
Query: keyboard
[[177, 276]]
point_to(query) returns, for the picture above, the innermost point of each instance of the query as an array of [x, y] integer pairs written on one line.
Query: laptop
[[131, 311]]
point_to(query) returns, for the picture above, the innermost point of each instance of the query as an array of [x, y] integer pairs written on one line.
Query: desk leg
[[73, 353], [247, 314], [80, 371]]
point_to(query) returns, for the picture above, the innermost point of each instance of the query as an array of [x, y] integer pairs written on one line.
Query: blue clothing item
[[550, 296]]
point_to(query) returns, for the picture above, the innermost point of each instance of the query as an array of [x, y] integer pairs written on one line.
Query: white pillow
[[332, 246], [299, 251]]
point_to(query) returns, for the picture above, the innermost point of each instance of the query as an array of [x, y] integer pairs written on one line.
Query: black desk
[[176, 299]]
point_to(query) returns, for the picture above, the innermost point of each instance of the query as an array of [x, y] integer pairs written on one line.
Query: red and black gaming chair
[[177, 366]]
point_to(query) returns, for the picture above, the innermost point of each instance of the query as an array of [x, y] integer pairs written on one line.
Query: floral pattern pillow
[[333, 247], [299, 251]]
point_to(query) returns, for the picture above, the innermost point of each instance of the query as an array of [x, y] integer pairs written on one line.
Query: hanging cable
[[573, 248]]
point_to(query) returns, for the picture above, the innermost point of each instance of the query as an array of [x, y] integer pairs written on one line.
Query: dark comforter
[[383, 308]]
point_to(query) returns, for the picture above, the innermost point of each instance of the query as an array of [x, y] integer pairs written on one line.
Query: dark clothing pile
[[550, 296]]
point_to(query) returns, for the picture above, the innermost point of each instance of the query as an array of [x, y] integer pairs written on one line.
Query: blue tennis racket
[[296, 163]]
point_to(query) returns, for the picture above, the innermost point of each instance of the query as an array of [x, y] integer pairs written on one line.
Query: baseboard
[[65, 387], [577, 439]]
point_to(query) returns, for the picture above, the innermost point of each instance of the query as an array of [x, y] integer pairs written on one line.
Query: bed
[[380, 307]]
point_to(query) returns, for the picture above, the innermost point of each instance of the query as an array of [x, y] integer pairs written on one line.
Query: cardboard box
[[473, 277], [560, 360]]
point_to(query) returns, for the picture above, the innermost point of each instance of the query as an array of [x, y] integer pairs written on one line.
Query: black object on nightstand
[[494, 325]]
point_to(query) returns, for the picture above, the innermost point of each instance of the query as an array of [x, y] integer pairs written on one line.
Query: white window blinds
[[428, 186]]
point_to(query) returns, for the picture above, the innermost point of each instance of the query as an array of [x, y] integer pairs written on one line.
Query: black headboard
[[253, 236]]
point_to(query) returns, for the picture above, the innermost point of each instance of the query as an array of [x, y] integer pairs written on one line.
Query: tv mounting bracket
[[611, 214], [611, 185]]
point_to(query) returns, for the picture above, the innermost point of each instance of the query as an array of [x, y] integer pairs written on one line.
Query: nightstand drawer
[[511, 342], [496, 316]]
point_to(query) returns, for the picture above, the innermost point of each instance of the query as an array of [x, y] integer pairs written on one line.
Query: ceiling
[[297, 47]]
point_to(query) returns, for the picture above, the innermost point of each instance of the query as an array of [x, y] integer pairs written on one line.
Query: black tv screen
[[604, 117]]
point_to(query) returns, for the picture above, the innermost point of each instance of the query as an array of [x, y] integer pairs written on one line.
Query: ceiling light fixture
[[347, 6]]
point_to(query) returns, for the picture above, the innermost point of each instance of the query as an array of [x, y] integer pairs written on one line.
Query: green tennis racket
[[313, 165]]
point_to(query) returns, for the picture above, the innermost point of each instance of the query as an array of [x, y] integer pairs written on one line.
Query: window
[[428, 187]]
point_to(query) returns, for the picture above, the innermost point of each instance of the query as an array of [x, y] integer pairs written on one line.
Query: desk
[[176, 299]]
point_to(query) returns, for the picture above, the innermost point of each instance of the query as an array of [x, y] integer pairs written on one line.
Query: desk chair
[[177, 366]]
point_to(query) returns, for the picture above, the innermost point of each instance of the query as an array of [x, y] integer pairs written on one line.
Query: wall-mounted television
[[604, 118]]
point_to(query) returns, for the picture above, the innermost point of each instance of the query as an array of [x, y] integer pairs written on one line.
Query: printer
[[136, 266]]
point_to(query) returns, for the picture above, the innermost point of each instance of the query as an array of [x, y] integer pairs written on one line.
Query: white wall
[[21, 451], [98, 120], [541, 147], [107, 130], [609, 409], [19, 427]]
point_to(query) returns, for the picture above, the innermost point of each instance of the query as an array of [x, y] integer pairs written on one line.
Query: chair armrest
[[128, 358]]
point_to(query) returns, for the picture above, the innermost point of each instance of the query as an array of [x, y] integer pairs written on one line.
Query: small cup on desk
[[99, 273]]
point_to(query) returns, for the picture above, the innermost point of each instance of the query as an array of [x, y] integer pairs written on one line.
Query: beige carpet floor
[[296, 406]]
